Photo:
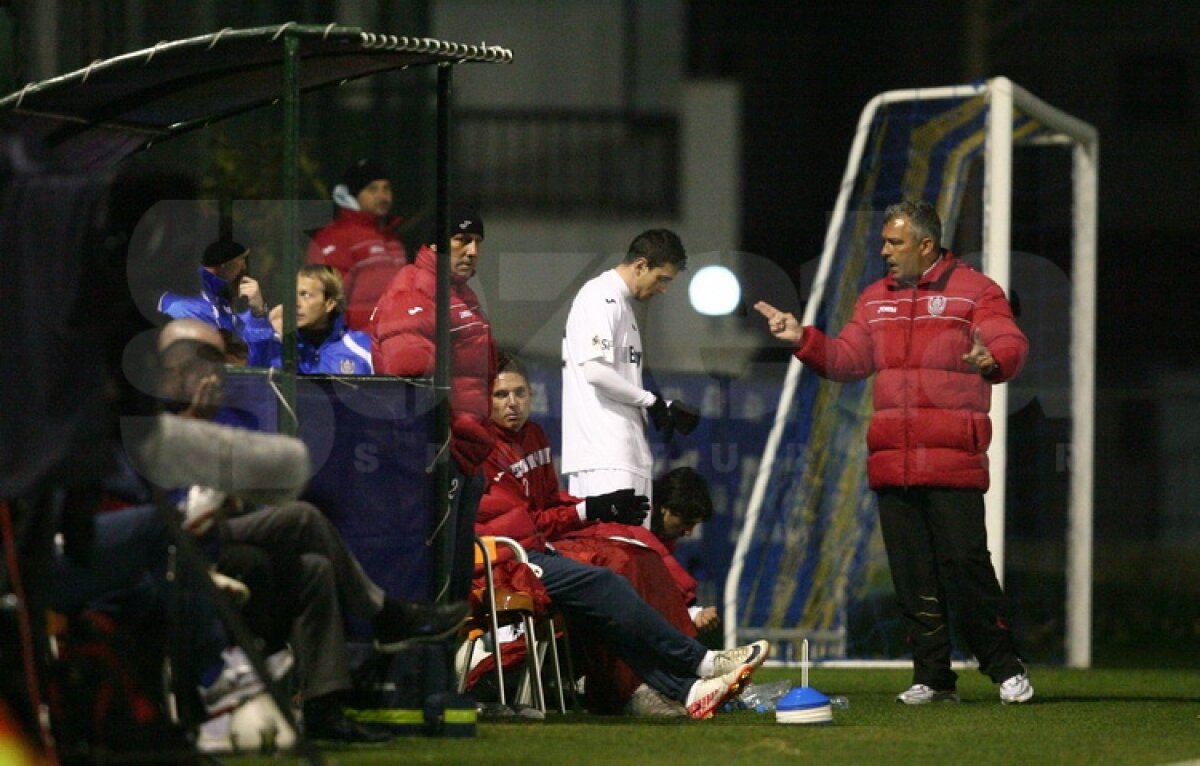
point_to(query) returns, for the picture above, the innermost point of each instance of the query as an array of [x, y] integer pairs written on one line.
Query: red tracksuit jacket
[[931, 425]]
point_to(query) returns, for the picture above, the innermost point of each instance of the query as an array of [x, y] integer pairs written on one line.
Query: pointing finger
[[766, 309]]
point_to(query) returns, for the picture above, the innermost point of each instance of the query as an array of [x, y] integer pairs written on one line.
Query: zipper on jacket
[[907, 419]]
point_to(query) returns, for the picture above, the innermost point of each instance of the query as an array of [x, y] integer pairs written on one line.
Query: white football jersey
[[598, 432]]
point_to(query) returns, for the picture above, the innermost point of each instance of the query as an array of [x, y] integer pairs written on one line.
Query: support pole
[[443, 548], [997, 261], [1083, 405], [288, 253]]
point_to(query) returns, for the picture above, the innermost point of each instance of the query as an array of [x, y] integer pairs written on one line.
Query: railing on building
[[578, 163]]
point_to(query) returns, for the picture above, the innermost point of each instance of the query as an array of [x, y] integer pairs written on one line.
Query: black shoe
[[401, 623], [327, 721]]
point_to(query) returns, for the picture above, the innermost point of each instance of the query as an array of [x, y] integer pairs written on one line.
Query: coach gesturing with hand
[[937, 334]]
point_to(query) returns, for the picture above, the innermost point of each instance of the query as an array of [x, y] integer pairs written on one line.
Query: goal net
[[1014, 181]]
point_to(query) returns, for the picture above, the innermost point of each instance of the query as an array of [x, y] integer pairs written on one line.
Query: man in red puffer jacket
[[403, 328], [362, 227], [939, 335], [361, 241]]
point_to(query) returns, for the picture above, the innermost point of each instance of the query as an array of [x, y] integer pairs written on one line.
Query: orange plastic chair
[[505, 607]]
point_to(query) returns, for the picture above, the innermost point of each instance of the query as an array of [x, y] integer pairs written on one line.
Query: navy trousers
[[604, 602]]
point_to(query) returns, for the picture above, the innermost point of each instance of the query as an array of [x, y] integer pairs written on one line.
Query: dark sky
[[809, 68]]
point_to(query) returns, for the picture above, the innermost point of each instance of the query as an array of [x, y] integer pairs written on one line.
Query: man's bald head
[[190, 329], [191, 364]]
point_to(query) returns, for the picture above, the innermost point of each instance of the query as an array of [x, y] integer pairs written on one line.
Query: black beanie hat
[[222, 251], [360, 175], [465, 220]]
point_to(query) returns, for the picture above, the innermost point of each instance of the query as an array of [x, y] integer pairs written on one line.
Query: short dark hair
[[684, 492], [659, 247], [509, 362], [922, 215]]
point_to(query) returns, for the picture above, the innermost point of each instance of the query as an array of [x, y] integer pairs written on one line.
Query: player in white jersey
[[604, 444]]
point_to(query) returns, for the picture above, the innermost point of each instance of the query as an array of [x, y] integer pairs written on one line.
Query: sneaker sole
[[734, 689], [950, 698]]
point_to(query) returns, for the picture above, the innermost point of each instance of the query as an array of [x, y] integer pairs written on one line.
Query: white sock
[[705, 668]]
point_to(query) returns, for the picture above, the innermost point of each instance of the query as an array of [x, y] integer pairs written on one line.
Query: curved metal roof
[[95, 116]]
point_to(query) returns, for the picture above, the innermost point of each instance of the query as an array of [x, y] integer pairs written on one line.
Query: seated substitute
[[229, 299], [522, 500], [362, 227], [681, 502], [324, 344], [321, 576]]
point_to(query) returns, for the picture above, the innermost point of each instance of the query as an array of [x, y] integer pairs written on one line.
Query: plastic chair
[[505, 607]]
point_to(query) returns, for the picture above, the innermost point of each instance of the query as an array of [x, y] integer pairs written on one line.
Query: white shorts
[[602, 480]]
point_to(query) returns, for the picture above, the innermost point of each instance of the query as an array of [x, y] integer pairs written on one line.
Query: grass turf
[[1099, 716]]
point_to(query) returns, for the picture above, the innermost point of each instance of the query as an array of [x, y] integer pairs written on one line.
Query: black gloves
[[621, 506], [671, 416]]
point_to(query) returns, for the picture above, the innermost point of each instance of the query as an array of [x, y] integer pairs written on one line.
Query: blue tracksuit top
[[343, 352], [212, 307]]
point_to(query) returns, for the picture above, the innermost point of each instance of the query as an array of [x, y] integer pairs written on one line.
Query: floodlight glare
[[714, 291]]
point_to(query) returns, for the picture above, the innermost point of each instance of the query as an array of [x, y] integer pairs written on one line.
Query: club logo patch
[[937, 305], [347, 366]]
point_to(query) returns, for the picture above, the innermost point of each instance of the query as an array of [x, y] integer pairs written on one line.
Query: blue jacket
[[343, 352], [212, 307]]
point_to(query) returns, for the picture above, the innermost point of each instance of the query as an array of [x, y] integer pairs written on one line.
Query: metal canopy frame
[[94, 117], [99, 114]]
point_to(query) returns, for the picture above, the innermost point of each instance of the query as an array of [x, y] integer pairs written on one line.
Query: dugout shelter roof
[[94, 117]]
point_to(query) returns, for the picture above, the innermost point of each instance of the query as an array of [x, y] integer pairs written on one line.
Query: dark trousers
[[604, 604], [316, 579], [465, 493], [936, 543]]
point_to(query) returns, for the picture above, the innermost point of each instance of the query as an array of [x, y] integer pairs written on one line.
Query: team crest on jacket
[[937, 304], [347, 366]]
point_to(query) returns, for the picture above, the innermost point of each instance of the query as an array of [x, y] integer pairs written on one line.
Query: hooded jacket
[[212, 307], [353, 236]]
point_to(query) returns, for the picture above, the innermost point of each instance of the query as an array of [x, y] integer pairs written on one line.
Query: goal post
[[808, 562]]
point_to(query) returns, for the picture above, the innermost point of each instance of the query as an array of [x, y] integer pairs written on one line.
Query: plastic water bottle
[[838, 702], [762, 697]]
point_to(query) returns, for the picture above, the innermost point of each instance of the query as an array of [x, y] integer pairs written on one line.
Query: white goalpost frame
[[1003, 96]]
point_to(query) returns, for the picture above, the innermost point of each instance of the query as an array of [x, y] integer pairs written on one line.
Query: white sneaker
[[732, 659], [652, 703], [1016, 690], [920, 694], [238, 682], [708, 694], [231, 688]]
